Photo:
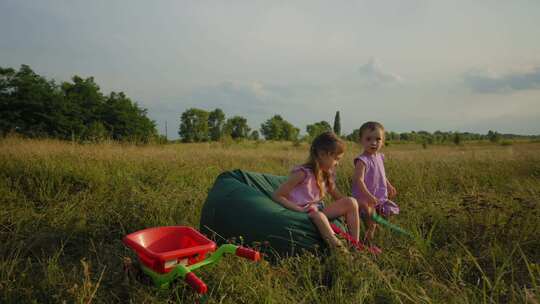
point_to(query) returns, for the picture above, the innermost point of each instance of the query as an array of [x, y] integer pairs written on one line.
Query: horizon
[[469, 67]]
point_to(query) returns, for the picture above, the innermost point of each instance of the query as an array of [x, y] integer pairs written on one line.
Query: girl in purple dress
[[308, 184], [370, 186]]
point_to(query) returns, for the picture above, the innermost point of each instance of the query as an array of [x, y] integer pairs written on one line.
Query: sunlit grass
[[474, 211]]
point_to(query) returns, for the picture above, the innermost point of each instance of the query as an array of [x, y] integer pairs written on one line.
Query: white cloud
[[481, 81], [235, 96], [372, 74]]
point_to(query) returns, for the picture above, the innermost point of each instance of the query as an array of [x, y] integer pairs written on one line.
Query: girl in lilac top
[[370, 186], [308, 184]]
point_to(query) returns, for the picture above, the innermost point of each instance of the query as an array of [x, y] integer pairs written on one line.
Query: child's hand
[[372, 201], [309, 208], [392, 192], [303, 209]]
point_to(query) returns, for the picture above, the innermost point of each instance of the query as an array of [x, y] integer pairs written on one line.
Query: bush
[[96, 132]]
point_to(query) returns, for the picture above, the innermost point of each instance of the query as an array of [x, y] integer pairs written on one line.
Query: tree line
[[442, 137], [33, 106], [198, 125]]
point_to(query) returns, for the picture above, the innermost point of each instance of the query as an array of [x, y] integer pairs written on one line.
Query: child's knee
[[370, 209], [315, 215], [352, 203]]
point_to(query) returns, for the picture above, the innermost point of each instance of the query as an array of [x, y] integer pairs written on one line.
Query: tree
[[125, 120], [237, 127], [290, 132], [254, 135], [87, 101], [317, 128], [194, 125], [354, 136], [493, 136], [393, 136], [277, 128], [337, 124], [216, 121], [272, 128], [31, 105], [457, 138], [96, 132]]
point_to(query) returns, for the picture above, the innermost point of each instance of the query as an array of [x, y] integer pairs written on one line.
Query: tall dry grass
[[474, 211]]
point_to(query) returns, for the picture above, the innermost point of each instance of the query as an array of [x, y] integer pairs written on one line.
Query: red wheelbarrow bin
[[167, 253]]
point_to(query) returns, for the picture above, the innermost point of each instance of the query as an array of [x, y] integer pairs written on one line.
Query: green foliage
[[317, 128], [254, 135], [440, 137], [216, 122], [392, 136], [354, 136], [96, 132], [194, 125], [237, 127], [290, 132], [337, 124], [457, 138], [35, 107], [125, 120], [277, 128], [197, 125], [493, 136]]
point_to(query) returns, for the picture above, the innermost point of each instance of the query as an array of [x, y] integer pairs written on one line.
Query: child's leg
[[371, 225], [323, 225], [348, 207], [370, 233]]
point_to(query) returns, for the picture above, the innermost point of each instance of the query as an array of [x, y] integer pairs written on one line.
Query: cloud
[[372, 74], [256, 97], [515, 123], [252, 97], [487, 82]]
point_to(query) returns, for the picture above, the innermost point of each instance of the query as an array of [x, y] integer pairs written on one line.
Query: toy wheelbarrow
[[168, 253]]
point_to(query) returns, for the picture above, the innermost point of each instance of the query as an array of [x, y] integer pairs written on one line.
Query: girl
[[308, 184], [370, 186]]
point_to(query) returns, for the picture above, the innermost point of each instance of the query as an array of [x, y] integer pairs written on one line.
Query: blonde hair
[[370, 126], [327, 142]]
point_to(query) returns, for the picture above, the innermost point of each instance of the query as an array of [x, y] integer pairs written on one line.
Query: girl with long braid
[[308, 184]]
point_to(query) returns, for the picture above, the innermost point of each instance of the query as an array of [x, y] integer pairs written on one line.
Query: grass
[[474, 211]]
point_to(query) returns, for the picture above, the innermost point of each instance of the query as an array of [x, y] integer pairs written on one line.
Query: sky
[[411, 65]]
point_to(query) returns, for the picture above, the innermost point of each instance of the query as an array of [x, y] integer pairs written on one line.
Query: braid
[[327, 142]]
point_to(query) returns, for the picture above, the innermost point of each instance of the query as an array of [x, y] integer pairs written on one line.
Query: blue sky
[[412, 65]]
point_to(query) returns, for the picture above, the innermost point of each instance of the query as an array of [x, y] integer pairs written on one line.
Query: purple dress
[[375, 180]]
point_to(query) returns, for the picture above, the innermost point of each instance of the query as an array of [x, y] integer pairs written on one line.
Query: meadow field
[[474, 210]]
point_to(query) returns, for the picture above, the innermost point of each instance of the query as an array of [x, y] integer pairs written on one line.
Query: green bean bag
[[240, 205]]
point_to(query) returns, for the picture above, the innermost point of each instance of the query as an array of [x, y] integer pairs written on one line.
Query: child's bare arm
[[359, 171], [392, 192], [281, 194], [336, 194], [334, 191]]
